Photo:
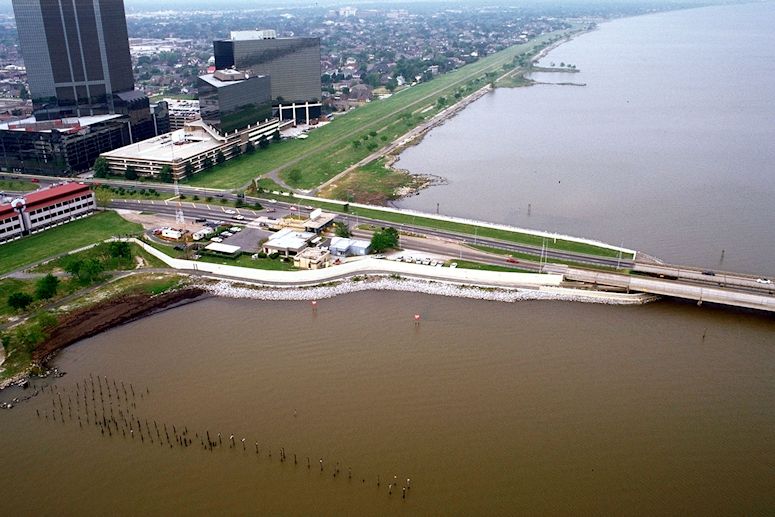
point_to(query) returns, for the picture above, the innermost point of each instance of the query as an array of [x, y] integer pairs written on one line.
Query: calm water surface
[[490, 408], [668, 149]]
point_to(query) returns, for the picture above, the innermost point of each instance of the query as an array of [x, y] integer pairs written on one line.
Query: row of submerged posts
[[111, 406]]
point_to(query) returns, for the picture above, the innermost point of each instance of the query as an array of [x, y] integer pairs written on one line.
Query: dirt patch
[[91, 321]]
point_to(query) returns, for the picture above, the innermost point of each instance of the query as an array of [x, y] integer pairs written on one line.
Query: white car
[[230, 211], [216, 239], [433, 263], [765, 281], [426, 262], [235, 229], [226, 234], [453, 265], [239, 217]]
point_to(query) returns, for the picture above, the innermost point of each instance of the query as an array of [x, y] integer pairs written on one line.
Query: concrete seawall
[[396, 276]]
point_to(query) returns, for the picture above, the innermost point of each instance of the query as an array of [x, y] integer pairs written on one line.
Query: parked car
[[453, 265], [226, 234], [235, 229], [765, 281], [216, 239]]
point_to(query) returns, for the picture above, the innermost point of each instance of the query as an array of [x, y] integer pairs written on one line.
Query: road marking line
[[223, 209], [208, 207], [193, 205], [165, 202]]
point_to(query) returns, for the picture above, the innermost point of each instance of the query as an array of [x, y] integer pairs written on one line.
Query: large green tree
[[130, 173], [165, 174], [101, 168], [384, 239], [46, 287], [19, 301], [342, 230]]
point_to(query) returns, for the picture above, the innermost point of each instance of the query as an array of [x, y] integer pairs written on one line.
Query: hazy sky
[[227, 4]]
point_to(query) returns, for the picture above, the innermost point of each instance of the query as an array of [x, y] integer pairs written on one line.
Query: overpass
[[728, 289]]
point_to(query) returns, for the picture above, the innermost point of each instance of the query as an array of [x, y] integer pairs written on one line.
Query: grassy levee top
[[330, 149], [62, 239]]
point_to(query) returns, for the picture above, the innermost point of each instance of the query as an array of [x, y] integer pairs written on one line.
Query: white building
[[45, 208]]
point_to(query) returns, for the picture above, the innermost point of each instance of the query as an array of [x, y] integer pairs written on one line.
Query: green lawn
[[62, 239], [99, 253], [329, 150], [17, 186], [467, 264], [245, 261]]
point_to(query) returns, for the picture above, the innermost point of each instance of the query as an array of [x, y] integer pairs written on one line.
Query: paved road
[[192, 209]]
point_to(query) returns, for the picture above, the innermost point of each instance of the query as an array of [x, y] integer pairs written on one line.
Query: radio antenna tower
[[179, 212]]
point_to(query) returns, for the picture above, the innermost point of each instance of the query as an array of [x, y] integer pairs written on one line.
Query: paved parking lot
[[248, 239]]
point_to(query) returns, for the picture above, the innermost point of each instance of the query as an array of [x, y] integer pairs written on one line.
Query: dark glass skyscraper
[[293, 64], [76, 53]]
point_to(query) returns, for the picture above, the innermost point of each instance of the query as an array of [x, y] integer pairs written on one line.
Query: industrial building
[[343, 247], [293, 65], [288, 242], [45, 208], [312, 258]]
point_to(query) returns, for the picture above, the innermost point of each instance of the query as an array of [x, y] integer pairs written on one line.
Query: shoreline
[[87, 322], [394, 155]]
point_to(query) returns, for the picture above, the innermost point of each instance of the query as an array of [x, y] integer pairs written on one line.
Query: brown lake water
[[668, 148], [490, 408]]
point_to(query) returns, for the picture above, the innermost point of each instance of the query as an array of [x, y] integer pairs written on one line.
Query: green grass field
[[329, 150], [467, 264], [62, 239], [17, 186]]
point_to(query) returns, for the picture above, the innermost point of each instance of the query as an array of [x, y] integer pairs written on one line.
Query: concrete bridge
[[728, 289]]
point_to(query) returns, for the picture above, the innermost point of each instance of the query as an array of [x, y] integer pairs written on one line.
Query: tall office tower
[[293, 64], [77, 56]]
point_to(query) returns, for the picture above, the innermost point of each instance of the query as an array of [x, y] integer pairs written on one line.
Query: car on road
[[230, 211], [512, 260], [272, 200], [709, 273], [200, 220], [765, 281], [216, 239], [239, 217], [270, 210]]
